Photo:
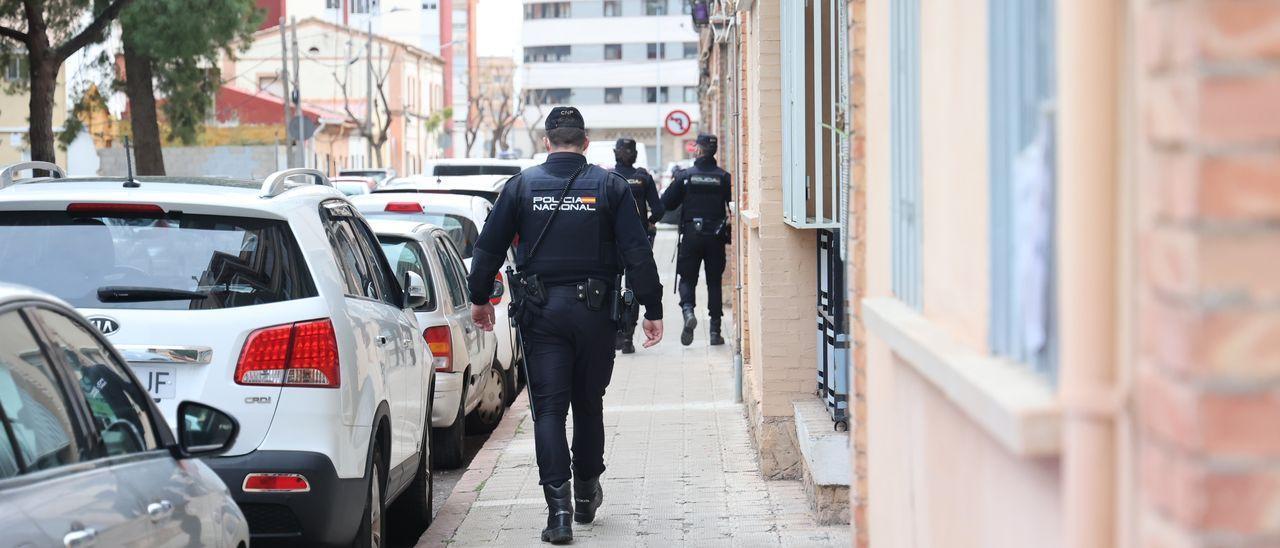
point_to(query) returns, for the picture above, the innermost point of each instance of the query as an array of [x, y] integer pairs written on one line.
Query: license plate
[[160, 381]]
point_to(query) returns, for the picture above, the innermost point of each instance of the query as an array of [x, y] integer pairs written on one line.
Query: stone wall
[[244, 162]]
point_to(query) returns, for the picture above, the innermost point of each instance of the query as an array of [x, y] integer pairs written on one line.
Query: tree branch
[[92, 33], [14, 34]]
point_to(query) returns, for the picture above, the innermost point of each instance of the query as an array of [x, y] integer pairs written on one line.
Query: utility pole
[[368, 88], [297, 92], [288, 106]]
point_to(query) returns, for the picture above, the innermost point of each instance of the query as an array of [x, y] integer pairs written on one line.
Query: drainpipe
[[740, 247], [1089, 43]]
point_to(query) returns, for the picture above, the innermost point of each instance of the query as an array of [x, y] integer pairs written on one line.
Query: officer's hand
[[483, 316], [652, 332]]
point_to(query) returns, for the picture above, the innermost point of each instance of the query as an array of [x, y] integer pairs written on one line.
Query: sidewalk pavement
[[681, 467]]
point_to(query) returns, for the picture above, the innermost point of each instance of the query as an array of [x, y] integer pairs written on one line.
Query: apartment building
[[1059, 232], [627, 64], [445, 28]]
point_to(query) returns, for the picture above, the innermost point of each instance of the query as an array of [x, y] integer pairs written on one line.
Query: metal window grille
[[833, 334], [904, 37], [811, 112], [1021, 84]]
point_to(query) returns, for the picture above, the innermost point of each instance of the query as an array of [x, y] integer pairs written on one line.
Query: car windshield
[[461, 230], [459, 170], [221, 262], [351, 189], [358, 173]]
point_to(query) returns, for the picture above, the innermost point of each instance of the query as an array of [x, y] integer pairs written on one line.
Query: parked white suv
[[462, 217], [271, 301], [469, 387]]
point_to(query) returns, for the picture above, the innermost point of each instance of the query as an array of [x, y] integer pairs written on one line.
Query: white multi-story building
[[626, 64]]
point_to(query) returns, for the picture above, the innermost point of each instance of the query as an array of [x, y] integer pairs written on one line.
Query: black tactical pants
[[708, 250], [569, 350], [631, 316]]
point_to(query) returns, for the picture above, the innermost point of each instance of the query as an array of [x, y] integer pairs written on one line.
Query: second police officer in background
[[578, 228], [645, 192], [704, 192]]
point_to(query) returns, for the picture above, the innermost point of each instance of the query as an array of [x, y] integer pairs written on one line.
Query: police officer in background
[[579, 228], [704, 191], [649, 206]]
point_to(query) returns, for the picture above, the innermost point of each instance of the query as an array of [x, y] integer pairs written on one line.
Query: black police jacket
[[703, 189], [644, 190], [596, 234]]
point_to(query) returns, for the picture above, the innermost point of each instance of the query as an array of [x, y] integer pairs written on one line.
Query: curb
[[464, 493]]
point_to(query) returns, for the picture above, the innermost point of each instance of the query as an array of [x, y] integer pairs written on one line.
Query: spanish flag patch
[[587, 200]]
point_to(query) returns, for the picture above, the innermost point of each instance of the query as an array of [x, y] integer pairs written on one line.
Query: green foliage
[[184, 40], [435, 122]]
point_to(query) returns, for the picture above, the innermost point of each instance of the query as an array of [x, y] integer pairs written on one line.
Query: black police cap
[[707, 139], [625, 144], [564, 117]]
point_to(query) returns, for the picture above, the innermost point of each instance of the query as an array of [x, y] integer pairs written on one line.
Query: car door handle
[[80, 538], [382, 339], [160, 510]]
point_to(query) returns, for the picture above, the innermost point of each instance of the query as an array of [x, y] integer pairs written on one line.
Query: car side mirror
[[204, 431], [415, 293]]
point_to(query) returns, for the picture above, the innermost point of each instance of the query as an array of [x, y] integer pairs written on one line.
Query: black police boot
[[587, 496], [690, 322], [628, 347], [559, 511], [716, 339], [620, 341]]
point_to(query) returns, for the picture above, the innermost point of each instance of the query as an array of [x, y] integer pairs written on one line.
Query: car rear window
[[461, 230], [234, 261], [446, 170], [406, 256]]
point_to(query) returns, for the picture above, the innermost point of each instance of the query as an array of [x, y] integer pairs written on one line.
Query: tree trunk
[[44, 82], [140, 88], [493, 145]]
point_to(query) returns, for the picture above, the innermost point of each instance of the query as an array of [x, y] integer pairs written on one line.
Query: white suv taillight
[[440, 341], [297, 354]]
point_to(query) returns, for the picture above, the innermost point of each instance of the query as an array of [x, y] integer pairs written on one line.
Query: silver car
[[85, 457]]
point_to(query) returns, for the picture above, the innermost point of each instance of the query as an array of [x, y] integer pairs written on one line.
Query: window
[[686, 7], [118, 406], [657, 51], [37, 431], [1021, 91], [361, 6], [655, 7], [905, 159], [460, 229], [459, 267], [235, 261], [690, 50], [388, 287], [547, 10], [612, 8], [546, 54], [655, 95], [16, 67], [332, 4], [457, 284], [612, 52], [612, 96], [555, 96], [690, 94], [352, 264], [406, 256]]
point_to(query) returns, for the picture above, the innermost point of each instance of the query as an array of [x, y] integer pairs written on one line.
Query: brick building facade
[[1060, 274]]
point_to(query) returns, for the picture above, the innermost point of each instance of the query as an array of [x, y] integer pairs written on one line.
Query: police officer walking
[[704, 191], [649, 206], [578, 228]]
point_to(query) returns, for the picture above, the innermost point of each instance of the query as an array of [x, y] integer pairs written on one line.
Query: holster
[[527, 292]]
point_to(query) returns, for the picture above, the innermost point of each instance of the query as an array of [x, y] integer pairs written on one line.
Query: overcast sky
[[499, 22]]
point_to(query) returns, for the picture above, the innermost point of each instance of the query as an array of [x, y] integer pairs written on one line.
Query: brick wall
[[1208, 222], [856, 276]]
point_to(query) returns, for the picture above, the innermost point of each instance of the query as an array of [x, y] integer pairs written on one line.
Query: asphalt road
[[444, 482]]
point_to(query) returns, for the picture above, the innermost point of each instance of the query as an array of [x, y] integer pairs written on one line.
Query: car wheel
[[488, 413], [511, 384], [372, 533], [447, 443], [411, 513]]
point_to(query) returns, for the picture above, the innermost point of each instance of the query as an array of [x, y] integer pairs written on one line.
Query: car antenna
[[128, 162]]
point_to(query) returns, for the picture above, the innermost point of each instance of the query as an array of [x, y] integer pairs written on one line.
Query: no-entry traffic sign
[[678, 122]]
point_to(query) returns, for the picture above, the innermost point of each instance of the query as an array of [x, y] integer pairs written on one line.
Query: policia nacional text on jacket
[[573, 233]]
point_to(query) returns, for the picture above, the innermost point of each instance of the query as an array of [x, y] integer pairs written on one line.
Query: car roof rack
[[277, 183], [6, 175]]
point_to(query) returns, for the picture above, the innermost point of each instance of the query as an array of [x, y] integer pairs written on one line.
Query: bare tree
[[534, 104], [475, 120], [502, 109], [375, 128]]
